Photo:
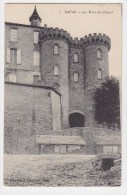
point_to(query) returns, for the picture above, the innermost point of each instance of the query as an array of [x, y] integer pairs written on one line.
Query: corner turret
[[35, 19]]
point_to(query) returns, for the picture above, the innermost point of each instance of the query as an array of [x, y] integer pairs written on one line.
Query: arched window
[[56, 70], [56, 50], [76, 76], [99, 74], [99, 53], [76, 57]]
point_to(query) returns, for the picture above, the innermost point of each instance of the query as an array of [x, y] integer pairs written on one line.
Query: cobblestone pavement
[[64, 170]]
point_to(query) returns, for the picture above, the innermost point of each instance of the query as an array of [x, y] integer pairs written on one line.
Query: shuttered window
[[13, 56], [18, 56], [13, 35], [8, 55], [36, 35], [36, 58]]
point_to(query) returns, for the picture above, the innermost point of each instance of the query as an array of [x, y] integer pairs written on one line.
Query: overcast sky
[[83, 19]]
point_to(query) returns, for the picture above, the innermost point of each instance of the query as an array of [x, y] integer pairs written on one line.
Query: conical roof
[[34, 15]]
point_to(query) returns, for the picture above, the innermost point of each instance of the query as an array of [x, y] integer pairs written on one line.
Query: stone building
[[49, 82]]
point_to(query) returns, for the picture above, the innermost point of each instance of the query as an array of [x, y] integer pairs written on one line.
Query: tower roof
[[34, 15]]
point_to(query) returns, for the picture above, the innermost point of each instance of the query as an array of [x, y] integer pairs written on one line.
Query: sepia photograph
[[62, 95]]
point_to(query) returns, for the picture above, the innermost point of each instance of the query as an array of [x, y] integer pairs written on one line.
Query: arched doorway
[[76, 120]]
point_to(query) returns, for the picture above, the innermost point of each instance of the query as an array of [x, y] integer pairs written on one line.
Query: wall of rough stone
[[48, 61], [56, 111], [28, 112], [76, 89], [92, 64]]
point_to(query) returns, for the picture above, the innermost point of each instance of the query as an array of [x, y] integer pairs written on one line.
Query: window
[[35, 78], [99, 76], [11, 77], [99, 53], [56, 70], [55, 50], [76, 77], [76, 57], [36, 35], [13, 35], [13, 56], [18, 56], [36, 58], [8, 55], [110, 149]]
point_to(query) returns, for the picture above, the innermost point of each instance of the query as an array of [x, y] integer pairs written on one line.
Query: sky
[[79, 20]]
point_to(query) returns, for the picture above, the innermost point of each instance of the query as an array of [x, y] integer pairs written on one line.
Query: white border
[[69, 190]]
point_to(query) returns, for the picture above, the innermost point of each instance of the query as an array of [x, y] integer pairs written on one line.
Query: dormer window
[[76, 77], [13, 35], [99, 53], [76, 58], [56, 49]]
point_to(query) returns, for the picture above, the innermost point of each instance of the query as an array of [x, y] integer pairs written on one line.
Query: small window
[[76, 77], [35, 78], [55, 50], [99, 53], [13, 35], [36, 58], [56, 70], [76, 58], [99, 76], [36, 35]]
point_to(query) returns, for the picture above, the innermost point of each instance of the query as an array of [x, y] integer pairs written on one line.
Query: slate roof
[[50, 139], [34, 15]]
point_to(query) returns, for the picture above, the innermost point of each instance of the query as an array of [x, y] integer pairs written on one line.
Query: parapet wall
[[56, 33]]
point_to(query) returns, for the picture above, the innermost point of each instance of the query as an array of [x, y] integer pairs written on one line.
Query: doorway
[[76, 120]]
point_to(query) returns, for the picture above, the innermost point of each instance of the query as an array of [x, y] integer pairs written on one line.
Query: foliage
[[107, 103]]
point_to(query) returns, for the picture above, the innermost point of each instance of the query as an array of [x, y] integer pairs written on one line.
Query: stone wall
[[48, 61], [28, 112], [76, 89]]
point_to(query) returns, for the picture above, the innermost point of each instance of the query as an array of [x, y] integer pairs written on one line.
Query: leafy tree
[[107, 103]]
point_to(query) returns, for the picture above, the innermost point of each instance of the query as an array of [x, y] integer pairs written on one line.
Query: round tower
[[54, 65], [96, 49]]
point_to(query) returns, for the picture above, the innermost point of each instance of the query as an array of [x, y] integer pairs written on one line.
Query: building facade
[[55, 71]]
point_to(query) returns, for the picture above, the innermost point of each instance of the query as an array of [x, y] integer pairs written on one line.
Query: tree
[[107, 103]]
